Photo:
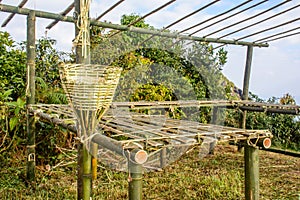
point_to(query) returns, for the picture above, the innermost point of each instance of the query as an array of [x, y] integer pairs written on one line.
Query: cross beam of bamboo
[[64, 13], [48, 15], [13, 14]]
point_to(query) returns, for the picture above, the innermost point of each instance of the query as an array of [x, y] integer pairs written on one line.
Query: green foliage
[[17, 107], [155, 92], [12, 120], [12, 92], [135, 20], [285, 128], [5, 96], [12, 67], [49, 88], [151, 60]]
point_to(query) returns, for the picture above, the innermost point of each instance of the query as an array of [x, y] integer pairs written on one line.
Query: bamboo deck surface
[[150, 131]]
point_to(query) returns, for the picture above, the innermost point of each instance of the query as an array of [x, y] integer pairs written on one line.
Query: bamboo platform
[[123, 133], [136, 130]]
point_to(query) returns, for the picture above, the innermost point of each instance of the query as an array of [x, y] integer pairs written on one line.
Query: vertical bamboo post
[[215, 111], [30, 96], [247, 81], [251, 173], [94, 161], [80, 148], [245, 94], [163, 157], [135, 181], [84, 176], [250, 152]]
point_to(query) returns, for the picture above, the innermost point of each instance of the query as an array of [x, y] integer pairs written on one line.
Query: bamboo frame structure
[[30, 96], [135, 186]]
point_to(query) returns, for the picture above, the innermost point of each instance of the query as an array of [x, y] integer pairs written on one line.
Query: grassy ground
[[219, 176]]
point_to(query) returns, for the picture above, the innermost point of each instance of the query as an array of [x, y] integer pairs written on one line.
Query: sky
[[275, 70]]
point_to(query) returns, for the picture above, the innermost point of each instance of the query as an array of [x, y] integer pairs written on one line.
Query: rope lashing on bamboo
[[90, 90], [82, 23]]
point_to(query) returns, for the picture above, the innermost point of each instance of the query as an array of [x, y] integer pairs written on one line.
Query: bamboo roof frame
[[258, 42], [63, 13], [48, 15], [109, 9]]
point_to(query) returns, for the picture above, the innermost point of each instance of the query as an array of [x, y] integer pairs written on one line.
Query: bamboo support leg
[[94, 161], [79, 171], [135, 181], [86, 175], [30, 97], [251, 173], [30, 168], [163, 157]]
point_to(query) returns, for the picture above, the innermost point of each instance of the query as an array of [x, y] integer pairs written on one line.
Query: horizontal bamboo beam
[[167, 104], [241, 104], [48, 15], [137, 155], [264, 143], [283, 151], [270, 110], [64, 13]]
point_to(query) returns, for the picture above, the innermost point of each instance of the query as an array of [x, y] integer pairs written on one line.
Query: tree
[[194, 62]]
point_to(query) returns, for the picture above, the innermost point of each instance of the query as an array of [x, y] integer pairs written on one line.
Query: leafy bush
[[12, 94], [13, 67]]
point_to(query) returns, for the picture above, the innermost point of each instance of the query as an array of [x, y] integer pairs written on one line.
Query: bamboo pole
[[94, 160], [86, 174], [251, 173], [247, 81], [84, 177], [264, 108], [48, 15], [247, 73], [30, 96], [163, 157], [250, 152], [136, 155], [135, 181], [80, 148], [283, 151]]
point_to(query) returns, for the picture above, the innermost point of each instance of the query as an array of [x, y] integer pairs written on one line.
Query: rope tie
[[250, 143], [82, 24], [31, 157], [84, 139]]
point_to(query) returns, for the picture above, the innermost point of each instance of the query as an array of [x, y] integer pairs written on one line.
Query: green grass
[[219, 176]]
